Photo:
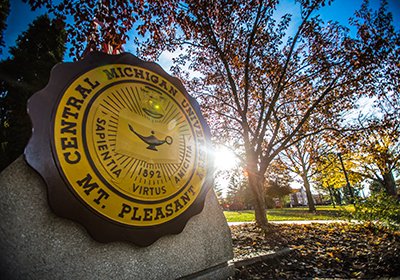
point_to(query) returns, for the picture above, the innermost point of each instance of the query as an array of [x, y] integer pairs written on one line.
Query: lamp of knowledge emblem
[[125, 150]]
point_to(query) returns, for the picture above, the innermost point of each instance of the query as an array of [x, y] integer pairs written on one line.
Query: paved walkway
[[294, 222]]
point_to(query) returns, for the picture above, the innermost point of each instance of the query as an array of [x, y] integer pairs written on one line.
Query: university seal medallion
[[122, 147]]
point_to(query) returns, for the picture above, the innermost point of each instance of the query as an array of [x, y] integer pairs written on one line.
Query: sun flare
[[224, 159]]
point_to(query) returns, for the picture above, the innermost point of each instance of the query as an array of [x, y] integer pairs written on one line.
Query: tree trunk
[[389, 183], [256, 184], [310, 200], [332, 197], [338, 197]]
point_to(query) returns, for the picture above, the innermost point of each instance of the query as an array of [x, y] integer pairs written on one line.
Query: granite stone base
[[36, 244]]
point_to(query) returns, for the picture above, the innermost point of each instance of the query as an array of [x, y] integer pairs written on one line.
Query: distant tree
[[300, 159], [375, 186], [4, 11], [238, 195], [275, 188], [218, 192], [37, 50], [375, 148], [234, 195], [329, 174]]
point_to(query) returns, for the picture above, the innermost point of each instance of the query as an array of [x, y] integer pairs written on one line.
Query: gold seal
[[130, 145]]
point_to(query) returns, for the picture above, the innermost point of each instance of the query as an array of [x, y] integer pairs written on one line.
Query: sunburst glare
[[224, 159]]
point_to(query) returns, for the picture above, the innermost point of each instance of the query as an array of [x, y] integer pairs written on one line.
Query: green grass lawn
[[293, 214]]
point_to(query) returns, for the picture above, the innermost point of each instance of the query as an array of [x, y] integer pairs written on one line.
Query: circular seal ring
[[128, 148]]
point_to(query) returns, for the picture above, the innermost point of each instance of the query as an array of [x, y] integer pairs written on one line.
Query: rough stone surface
[[36, 244]]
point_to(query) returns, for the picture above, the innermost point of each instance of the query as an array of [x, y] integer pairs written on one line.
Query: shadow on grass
[[320, 214], [288, 214]]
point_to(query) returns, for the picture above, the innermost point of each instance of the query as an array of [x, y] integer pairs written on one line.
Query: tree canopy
[[375, 150], [4, 11], [37, 50]]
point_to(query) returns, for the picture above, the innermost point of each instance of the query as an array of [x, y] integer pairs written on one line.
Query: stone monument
[[125, 187], [37, 244]]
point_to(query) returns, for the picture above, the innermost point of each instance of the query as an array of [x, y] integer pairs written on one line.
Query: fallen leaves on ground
[[337, 250]]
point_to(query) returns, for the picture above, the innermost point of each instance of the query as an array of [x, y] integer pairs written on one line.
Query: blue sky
[[21, 15]]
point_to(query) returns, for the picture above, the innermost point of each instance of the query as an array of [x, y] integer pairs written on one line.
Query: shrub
[[379, 208]]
